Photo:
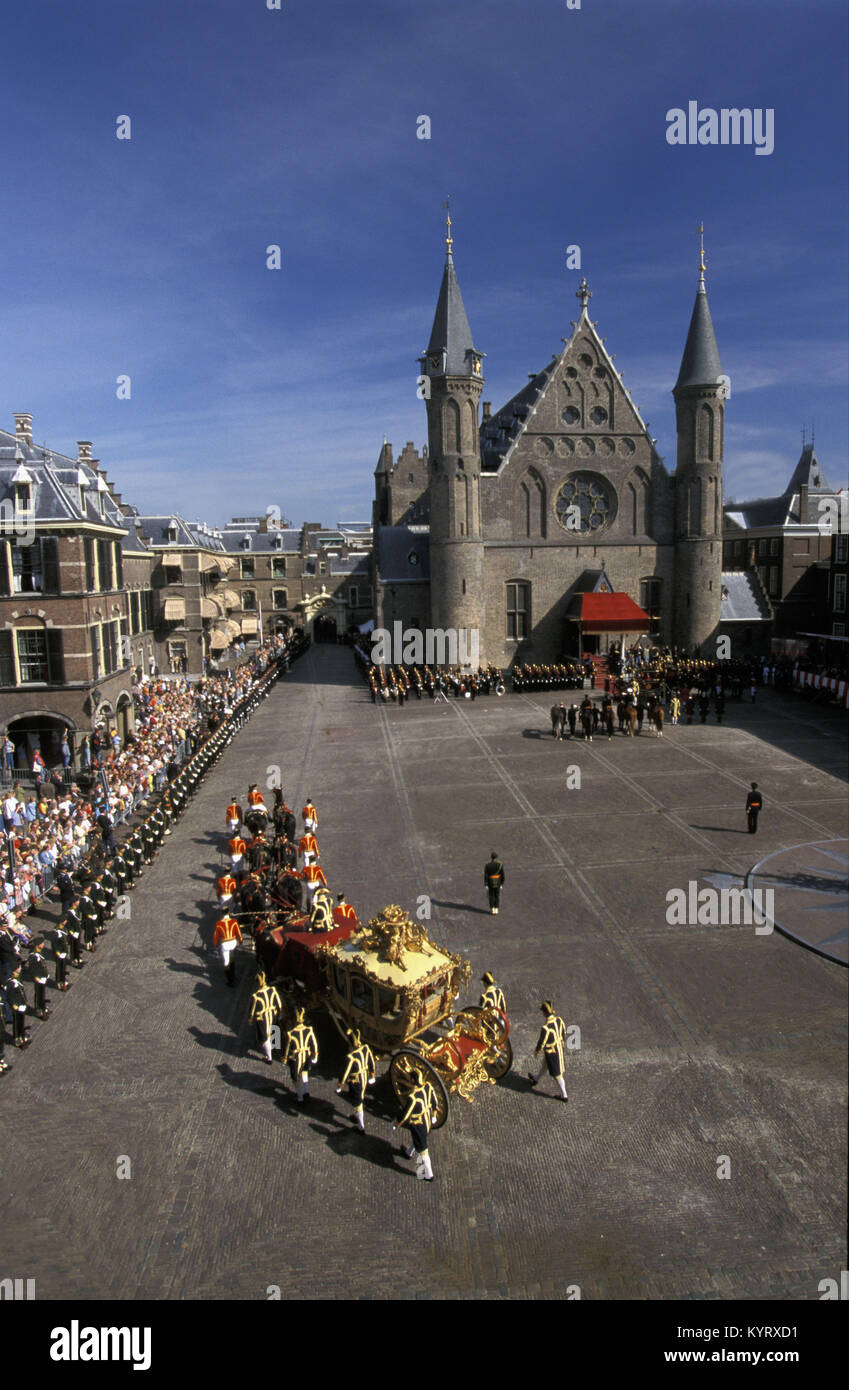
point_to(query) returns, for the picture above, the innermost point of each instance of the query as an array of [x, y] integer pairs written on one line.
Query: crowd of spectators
[[50, 828]]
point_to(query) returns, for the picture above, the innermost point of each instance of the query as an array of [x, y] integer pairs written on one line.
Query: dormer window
[[23, 497], [172, 533], [246, 542]]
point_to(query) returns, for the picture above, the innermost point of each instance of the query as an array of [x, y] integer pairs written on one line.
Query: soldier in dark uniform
[[754, 806], [552, 1044], [121, 870], [38, 971], [16, 1000], [74, 928], [358, 1074], [61, 948], [493, 878], [704, 706], [418, 1116], [572, 716], [148, 840], [65, 884], [90, 920], [719, 704], [690, 706]]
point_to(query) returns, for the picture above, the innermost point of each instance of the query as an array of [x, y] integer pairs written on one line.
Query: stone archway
[[324, 616], [40, 729]]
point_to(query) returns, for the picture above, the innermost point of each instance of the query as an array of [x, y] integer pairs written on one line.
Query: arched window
[[518, 609]]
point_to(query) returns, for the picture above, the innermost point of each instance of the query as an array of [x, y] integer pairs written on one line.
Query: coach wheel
[[486, 1024], [491, 1027], [403, 1079]]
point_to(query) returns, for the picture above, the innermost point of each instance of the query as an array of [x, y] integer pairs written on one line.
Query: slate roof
[[350, 564], [451, 332], [55, 493], [786, 510], [396, 547], [700, 365], [502, 429], [188, 534], [262, 542], [742, 599]]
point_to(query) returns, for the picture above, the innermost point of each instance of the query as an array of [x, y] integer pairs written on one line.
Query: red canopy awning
[[612, 613]]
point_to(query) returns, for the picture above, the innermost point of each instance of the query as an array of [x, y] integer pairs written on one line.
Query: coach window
[[362, 994], [518, 610]]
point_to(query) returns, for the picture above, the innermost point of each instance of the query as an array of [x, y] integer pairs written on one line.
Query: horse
[[256, 818], [657, 716], [630, 720], [253, 899]]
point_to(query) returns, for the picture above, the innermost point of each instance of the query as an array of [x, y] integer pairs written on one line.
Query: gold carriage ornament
[[396, 986]]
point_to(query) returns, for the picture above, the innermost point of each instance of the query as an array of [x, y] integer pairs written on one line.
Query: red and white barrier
[[839, 688]]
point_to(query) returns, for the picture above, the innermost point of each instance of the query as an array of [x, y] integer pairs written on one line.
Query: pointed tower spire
[[451, 350], [700, 365]]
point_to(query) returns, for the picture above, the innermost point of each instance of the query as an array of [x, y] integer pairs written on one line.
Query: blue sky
[[250, 127]]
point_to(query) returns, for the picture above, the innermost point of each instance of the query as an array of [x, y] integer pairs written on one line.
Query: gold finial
[[701, 230], [449, 240]]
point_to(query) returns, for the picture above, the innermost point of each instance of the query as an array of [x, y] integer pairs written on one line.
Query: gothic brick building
[[502, 524]]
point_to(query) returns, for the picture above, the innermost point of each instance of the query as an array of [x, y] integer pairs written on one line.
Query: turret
[[454, 380], [699, 394]]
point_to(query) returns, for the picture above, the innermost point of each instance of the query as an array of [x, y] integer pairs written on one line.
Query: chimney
[[486, 407], [83, 451], [23, 428], [803, 504]]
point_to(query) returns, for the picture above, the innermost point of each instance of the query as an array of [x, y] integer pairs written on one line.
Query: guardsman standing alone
[[493, 878], [265, 1008], [754, 805], [492, 997], [359, 1073], [301, 1053], [418, 1117], [227, 936], [551, 1042]]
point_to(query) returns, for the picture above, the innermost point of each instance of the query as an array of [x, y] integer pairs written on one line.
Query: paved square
[[697, 1042]]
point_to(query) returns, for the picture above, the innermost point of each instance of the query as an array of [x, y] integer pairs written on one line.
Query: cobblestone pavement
[[703, 1048]]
